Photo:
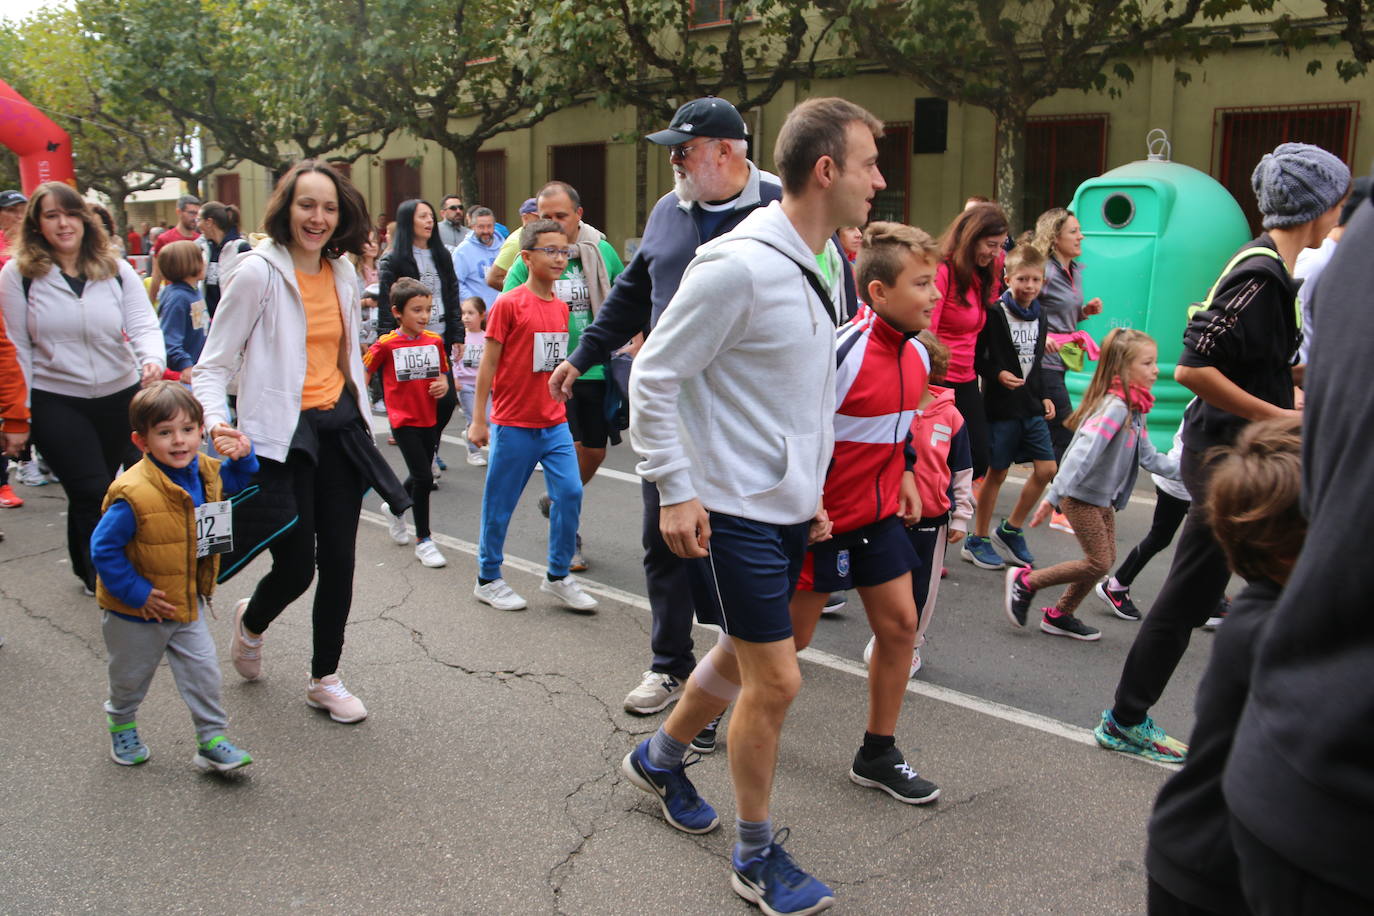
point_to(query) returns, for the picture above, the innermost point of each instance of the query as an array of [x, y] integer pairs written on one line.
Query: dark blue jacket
[[648, 283]]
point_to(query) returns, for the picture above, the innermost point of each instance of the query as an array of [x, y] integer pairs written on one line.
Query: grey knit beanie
[[1297, 183]]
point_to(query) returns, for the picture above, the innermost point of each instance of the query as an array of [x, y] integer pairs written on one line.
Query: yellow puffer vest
[[163, 548]]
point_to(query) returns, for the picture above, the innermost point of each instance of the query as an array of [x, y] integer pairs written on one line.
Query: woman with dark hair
[[219, 225], [86, 339], [289, 296], [969, 280], [415, 251]]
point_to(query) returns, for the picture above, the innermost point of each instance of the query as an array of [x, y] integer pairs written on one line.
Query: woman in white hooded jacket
[[287, 324], [86, 339]]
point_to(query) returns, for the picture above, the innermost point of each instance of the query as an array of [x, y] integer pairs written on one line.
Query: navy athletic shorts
[[745, 584], [867, 556]]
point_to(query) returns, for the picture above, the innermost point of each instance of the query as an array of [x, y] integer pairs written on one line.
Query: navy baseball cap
[[11, 198], [708, 117], [530, 206]]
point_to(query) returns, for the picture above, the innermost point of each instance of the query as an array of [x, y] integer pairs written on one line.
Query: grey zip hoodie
[[733, 395], [1100, 464]]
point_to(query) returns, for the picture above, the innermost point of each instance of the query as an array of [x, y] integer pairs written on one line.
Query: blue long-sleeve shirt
[[185, 320], [118, 526]]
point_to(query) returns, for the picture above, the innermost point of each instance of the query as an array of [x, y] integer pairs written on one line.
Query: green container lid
[[1156, 234]]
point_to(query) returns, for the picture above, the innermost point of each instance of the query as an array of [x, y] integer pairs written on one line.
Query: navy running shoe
[[1013, 541], [1018, 595], [777, 884], [682, 806], [981, 553]]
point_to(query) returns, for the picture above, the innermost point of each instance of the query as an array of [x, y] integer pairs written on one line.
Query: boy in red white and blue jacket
[[870, 489]]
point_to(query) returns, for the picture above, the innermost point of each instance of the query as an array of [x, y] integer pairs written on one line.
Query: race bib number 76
[[550, 349]]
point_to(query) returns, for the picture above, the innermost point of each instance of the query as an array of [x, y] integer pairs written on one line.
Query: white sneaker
[[397, 528], [429, 554], [915, 655], [29, 474], [654, 693], [477, 459], [499, 595], [569, 592]]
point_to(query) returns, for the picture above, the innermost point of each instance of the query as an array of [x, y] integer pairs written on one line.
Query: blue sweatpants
[[513, 454]]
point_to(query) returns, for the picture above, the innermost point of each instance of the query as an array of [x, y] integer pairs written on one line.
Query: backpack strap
[[1230, 266]]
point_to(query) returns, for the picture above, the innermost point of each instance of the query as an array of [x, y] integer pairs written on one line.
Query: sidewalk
[[487, 778]]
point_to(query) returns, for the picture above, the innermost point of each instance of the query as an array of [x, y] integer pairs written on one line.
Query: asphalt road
[[486, 778]]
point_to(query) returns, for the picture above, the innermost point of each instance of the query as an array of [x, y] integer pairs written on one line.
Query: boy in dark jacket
[[1253, 504], [1007, 357]]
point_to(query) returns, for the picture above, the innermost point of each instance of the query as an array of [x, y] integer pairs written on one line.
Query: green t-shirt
[[823, 262], [572, 289]]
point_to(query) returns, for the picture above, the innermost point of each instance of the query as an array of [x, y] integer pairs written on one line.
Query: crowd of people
[[819, 403]]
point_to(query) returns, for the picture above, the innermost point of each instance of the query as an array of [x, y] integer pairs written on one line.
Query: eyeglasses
[[682, 151], [555, 252]]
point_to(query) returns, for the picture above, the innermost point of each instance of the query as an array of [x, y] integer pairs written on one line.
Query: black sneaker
[[705, 741], [1068, 625], [1018, 595], [892, 774], [1119, 599]]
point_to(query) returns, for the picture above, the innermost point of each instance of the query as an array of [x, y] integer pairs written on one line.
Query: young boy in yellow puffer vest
[[156, 559]]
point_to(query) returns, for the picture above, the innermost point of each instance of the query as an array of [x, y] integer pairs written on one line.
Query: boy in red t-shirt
[[527, 337], [413, 367]]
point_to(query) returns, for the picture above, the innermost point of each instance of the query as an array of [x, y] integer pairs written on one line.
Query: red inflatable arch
[[43, 148]]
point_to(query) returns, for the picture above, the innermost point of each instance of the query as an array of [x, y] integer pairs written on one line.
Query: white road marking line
[[991, 708]]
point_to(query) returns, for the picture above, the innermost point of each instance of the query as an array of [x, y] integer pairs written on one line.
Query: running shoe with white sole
[[1119, 599], [654, 694], [1013, 541], [891, 773], [1017, 595], [777, 884], [835, 603], [569, 592], [29, 475], [245, 653], [10, 499], [915, 655], [428, 554], [1146, 740], [477, 459], [682, 806], [1068, 625], [329, 693], [219, 755], [126, 747], [499, 595], [396, 526], [980, 552], [707, 740]]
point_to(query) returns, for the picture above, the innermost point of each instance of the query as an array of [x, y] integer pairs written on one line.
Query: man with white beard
[[715, 187]]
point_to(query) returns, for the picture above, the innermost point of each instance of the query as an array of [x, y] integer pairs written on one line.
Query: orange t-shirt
[[324, 333]]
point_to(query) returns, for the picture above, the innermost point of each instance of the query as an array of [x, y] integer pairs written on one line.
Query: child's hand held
[[1042, 512]]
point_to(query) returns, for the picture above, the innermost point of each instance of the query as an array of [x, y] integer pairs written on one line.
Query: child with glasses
[[527, 337]]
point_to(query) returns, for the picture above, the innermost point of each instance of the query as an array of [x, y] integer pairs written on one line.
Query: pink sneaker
[[329, 693], [246, 654], [1059, 522]]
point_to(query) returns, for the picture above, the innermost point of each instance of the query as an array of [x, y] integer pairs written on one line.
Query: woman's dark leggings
[[329, 498], [1169, 514], [84, 441], [417, 445], [969, 400], [1196, 582]]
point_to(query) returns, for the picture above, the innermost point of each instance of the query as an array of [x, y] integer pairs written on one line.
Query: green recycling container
[[1155, 236]]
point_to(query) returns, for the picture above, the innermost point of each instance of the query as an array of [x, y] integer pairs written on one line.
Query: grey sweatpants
[[135, 649]]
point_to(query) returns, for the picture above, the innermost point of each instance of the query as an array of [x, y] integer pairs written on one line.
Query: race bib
[[415, 363], [214, 528], [550, 349], [200, 315], [472, 355]]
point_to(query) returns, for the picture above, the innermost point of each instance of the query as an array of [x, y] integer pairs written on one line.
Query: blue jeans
[[514, 452]]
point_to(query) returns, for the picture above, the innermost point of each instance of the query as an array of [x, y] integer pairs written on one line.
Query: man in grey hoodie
[[732, 406]]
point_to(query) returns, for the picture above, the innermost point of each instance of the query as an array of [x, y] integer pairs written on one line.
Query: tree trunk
[[1010, 167], [466, 156], [119, 214]]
